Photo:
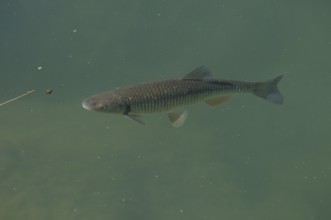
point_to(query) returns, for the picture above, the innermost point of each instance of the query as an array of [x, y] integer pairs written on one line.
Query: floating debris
[[49, 91], [18, 97]]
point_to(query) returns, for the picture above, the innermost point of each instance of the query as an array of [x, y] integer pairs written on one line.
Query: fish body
[[168, 95]]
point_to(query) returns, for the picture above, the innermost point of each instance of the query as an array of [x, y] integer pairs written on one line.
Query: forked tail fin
[[268, 90]]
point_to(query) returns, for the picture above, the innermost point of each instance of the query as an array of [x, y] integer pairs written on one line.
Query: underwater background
[[246, 159]]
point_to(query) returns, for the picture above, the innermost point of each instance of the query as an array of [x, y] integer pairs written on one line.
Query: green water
[[246, 159]]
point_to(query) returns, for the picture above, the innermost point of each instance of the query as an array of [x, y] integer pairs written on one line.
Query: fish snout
[[87, 104]]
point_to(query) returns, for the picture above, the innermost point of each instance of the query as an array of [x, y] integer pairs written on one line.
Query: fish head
[[105, 102]]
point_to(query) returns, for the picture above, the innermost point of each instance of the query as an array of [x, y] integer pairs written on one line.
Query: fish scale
[[167, 95]]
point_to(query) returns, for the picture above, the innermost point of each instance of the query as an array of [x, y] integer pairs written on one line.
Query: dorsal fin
[[198, 73]]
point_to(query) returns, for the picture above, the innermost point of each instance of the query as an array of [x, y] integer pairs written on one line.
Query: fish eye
[[101, 107]]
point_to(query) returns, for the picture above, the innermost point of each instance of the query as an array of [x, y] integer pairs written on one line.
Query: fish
[[171, 95]]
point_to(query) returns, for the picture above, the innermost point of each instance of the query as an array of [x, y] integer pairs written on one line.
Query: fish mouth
[[85, 105]]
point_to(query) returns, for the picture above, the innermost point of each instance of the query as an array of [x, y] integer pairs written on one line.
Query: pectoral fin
[[136, 118], [218, 100], [177, 119]]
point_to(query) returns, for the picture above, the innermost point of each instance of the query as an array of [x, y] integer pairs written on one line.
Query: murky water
[[245, 159]]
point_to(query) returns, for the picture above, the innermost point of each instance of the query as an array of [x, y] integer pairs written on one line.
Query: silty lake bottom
[[244, 159]]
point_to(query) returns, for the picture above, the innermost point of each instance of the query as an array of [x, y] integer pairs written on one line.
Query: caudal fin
[[269, 91]]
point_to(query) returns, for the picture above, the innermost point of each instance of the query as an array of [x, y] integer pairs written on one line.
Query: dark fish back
[[165, 95]]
